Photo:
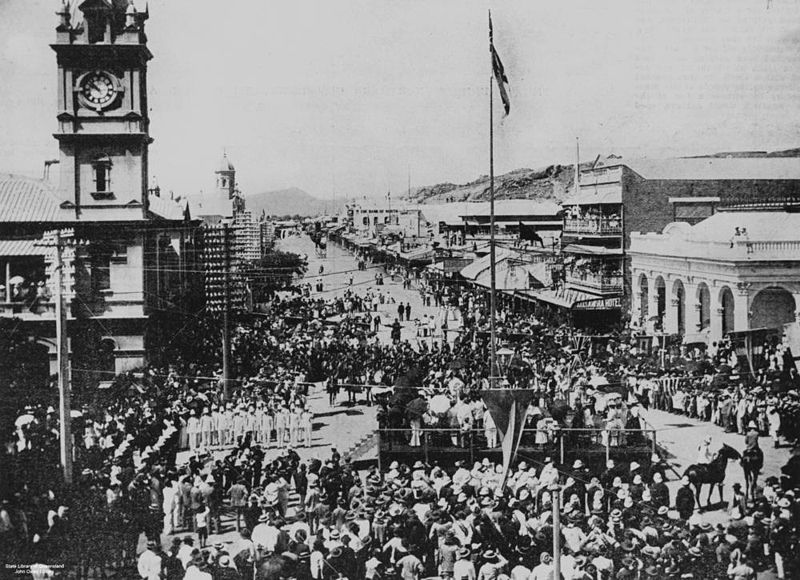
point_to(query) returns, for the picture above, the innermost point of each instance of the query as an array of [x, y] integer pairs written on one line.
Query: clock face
[[98, 89]]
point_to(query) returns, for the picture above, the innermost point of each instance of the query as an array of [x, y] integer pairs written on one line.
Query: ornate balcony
[[593, 226]]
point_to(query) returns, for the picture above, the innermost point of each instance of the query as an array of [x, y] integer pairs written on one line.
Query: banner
[[509, 408]]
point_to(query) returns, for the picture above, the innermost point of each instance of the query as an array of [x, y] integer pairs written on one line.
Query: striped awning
[[577, 300]]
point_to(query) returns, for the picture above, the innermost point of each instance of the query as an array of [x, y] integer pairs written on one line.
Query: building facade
[[734, 271], [127, 254], [618, 197]]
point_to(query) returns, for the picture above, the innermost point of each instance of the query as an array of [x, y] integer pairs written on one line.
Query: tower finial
[[65, 14]]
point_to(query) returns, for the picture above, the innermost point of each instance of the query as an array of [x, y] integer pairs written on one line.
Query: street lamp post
[[504, 357]]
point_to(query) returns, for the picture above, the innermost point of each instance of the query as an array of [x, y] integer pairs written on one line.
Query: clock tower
[[103, 125]]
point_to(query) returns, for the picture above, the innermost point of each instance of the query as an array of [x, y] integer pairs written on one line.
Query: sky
[[350, 97]]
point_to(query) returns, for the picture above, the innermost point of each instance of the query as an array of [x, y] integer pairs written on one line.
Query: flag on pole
[[499, 71], [508, 408]]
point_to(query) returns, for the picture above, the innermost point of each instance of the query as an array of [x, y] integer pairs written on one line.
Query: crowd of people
[[409, 521], [414, 521]]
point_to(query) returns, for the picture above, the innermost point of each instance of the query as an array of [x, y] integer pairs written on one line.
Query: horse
[[711, 473], [752, 462]]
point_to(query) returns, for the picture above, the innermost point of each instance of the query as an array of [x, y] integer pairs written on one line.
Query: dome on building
[[225, 165]]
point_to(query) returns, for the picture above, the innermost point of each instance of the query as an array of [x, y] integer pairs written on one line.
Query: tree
[[274, 271]]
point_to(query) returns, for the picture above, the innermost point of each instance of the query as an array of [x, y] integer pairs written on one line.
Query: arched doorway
[[726, 303], [772, 307], [644, 298], [679, 299], [661, 296], [704, 299]]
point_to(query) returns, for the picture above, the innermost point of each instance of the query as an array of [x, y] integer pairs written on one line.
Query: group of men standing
[[224, 425]]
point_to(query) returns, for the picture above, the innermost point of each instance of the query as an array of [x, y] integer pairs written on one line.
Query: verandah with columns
[[709, 307]]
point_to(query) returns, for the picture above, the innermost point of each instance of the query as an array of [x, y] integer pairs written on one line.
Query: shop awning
[[420, 255], [551, 223], [22, 248], [576, 300], [593, 250]]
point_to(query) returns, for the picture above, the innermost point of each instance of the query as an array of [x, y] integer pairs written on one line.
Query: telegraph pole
[[556, 491], [226, 307], [62, 353]]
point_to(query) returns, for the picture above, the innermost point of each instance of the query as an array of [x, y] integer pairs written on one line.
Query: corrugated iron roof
[[512, 207], [165, 208], [21, 248], [24, 199]]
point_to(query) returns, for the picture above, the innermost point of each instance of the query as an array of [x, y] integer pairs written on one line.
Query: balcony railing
[[555, 442], [738, 249], [604, 284], [597, 226], [28, 311]]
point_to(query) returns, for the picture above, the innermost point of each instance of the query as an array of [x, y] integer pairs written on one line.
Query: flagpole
[[492, 265]]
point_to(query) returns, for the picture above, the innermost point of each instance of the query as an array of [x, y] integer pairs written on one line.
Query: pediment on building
[[67, 205], [65, 116], [134, 203]]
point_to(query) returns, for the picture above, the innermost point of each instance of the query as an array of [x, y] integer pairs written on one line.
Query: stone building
[[620, 196], [128, 254], [734, 271]]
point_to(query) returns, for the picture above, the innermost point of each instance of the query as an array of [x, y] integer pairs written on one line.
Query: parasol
[[598, 381], [23, 420], [439, 404], [16, 280]]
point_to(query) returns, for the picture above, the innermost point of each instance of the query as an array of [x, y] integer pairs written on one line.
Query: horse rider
[[704, 453], [751, 438], [751, 447]]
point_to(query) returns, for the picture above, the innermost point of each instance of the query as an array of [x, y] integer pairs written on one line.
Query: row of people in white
[[222, 427]]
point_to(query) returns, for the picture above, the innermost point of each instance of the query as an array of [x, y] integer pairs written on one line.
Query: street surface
[[342, 426], [339, 265]]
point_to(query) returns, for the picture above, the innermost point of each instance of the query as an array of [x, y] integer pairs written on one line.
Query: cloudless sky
[[348, 95]]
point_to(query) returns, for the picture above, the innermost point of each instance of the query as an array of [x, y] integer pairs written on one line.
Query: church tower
[[226, 178], [103, 124]]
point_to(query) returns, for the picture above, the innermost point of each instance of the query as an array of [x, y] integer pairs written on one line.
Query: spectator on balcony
[[42, 295]]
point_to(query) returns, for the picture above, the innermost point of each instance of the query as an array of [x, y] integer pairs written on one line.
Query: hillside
[[292, 201], [552, 182]]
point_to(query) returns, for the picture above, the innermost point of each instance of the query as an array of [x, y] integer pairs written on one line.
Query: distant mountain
[[292, 201], [549, 183], [784, 153]]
